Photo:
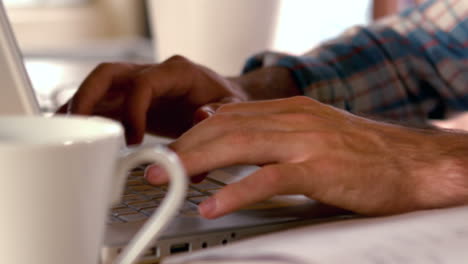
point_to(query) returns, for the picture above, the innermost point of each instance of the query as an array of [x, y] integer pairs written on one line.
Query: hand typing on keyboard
[[303, 146], [140, 199], [309, 148]]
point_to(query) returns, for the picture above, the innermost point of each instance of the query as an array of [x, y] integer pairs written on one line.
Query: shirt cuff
[[302, 77]]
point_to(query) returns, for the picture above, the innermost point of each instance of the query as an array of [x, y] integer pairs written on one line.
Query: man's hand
[[164, 99], [169, 98], [327, 154]]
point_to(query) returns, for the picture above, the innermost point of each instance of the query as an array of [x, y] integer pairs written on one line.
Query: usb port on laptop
[[179, 248]]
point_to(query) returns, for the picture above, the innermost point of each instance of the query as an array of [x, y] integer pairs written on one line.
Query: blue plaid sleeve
[[412, 66]]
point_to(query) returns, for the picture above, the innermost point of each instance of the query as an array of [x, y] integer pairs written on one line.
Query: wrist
[[266, 83], [422, 168], [441, 169]]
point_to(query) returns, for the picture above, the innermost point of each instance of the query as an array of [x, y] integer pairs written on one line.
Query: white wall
[[305, 23], [221, 34]]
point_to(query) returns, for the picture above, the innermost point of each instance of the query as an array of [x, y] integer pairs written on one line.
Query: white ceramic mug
[[59, 176]]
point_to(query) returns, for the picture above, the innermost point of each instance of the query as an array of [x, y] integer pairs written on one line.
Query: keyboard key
[[211, 192], [144, 204], [113, 219], [192, 192], [148, 211], [119, 206], [129, 198], [197, 200], [139, 172], [189, 209], [132, 217], [125, 210], [153, 193], [207, 185], [133, 182], [142, 188], [127, 191]]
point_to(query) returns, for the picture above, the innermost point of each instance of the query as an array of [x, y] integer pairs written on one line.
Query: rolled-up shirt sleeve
[[412, 66]]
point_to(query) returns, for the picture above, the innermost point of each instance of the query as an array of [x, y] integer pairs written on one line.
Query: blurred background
[[63, 40]]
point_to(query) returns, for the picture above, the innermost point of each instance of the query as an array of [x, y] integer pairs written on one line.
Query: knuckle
[[301, 99], [180, 63], [106, 66], [304, 103], [177, 59]]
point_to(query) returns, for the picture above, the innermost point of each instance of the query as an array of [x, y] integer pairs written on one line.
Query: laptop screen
[[17, 95]]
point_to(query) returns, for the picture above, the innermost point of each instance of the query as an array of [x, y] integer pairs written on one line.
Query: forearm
[[409, 67], [444, 177], [432, 162], [267, 83]]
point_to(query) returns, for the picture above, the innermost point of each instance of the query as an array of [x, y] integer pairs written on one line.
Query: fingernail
[[155, 174], [209, 110], [202, 114], [207, 207]]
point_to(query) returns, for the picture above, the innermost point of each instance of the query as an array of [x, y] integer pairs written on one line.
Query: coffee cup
[[59, 177]]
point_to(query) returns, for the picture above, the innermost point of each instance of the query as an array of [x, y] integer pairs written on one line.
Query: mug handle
[[169, 207]]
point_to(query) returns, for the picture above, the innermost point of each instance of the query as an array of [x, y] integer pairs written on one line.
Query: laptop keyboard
[[141, 199]]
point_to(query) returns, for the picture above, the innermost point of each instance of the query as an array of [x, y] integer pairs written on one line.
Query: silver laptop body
[[17, 96], [188, 231]]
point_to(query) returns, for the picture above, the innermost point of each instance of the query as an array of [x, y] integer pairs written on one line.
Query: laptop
[[188, 231]]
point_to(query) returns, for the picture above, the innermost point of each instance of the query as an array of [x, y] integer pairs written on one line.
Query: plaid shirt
[[412, 66]]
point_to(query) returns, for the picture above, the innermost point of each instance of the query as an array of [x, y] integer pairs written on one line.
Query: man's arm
[[408, 67], [332, 156], [267, 83]]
